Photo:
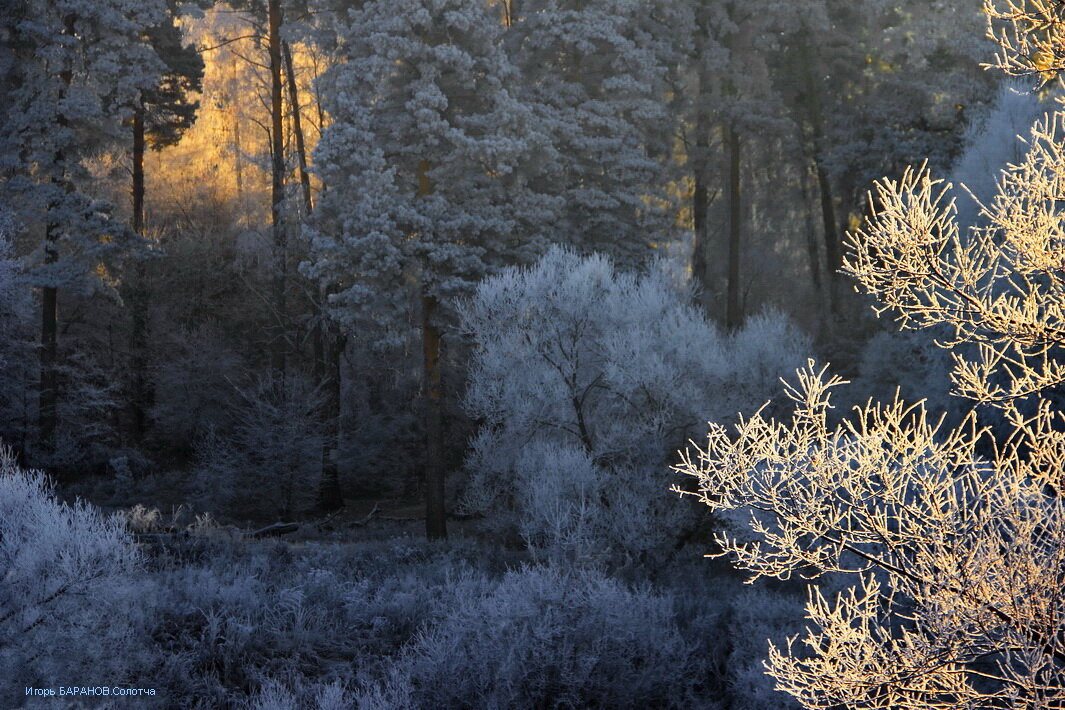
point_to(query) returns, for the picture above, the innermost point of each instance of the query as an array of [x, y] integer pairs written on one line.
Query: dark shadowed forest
[[476, 353]]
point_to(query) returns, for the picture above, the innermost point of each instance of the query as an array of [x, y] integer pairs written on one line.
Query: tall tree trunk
[[833, 255], [700, 246], [48, 389], [813, 254], [279, 350], [435, 512], [137, 297], [138, 168], [238, 149], [700, 193], [297, 129], [734, 313], [330, 350], [319, 110]]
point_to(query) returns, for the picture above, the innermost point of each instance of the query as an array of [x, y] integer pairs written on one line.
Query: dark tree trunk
[[48, 391], [330, 496], [137, 297], [297, 129], [700, 246], [238, 150], [833, 256], [813, 254], [700, 205], [279, 350], [138, 169], [699, 158], [734, 313], [435, 513]]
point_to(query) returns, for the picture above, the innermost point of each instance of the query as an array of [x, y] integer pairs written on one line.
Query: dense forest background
[[401, 269]]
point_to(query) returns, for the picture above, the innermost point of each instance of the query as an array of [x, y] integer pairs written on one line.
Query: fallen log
[[275, 530], [363, 521]]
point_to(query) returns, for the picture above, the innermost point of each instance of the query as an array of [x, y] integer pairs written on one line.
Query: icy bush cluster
[[395, 625], [214, 620], [543, 637], [67, 588], [908, 362], [586, 379]]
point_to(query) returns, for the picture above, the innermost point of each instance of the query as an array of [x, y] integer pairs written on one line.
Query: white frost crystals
[[586, 379], [65, 584]]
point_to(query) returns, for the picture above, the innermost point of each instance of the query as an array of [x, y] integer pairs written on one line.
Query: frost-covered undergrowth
[[215, 620], [69, 588], [401, 624]]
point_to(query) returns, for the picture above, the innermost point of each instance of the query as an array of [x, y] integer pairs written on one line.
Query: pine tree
[[596, 73], [425, 162], [80, 68], [163, 114]]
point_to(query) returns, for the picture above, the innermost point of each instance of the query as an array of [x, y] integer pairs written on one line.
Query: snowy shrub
[[546, 638], [768, 346], [269, 464], [66, 588], [277, 696], [258, 616], [585, 380], [756, 617]]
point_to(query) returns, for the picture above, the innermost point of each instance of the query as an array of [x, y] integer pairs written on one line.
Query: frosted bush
[[584, 373], [277, 696], [768, 346], [548, 638], [66, 588], [757, 616]]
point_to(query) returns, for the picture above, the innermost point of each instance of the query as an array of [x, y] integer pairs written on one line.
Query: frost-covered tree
[[953, 537], [585, 379], [267, 464], [595, 73], [871, 88], [163, 114], [993, 141], [166, 110], [80, 68], [422, 160]]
